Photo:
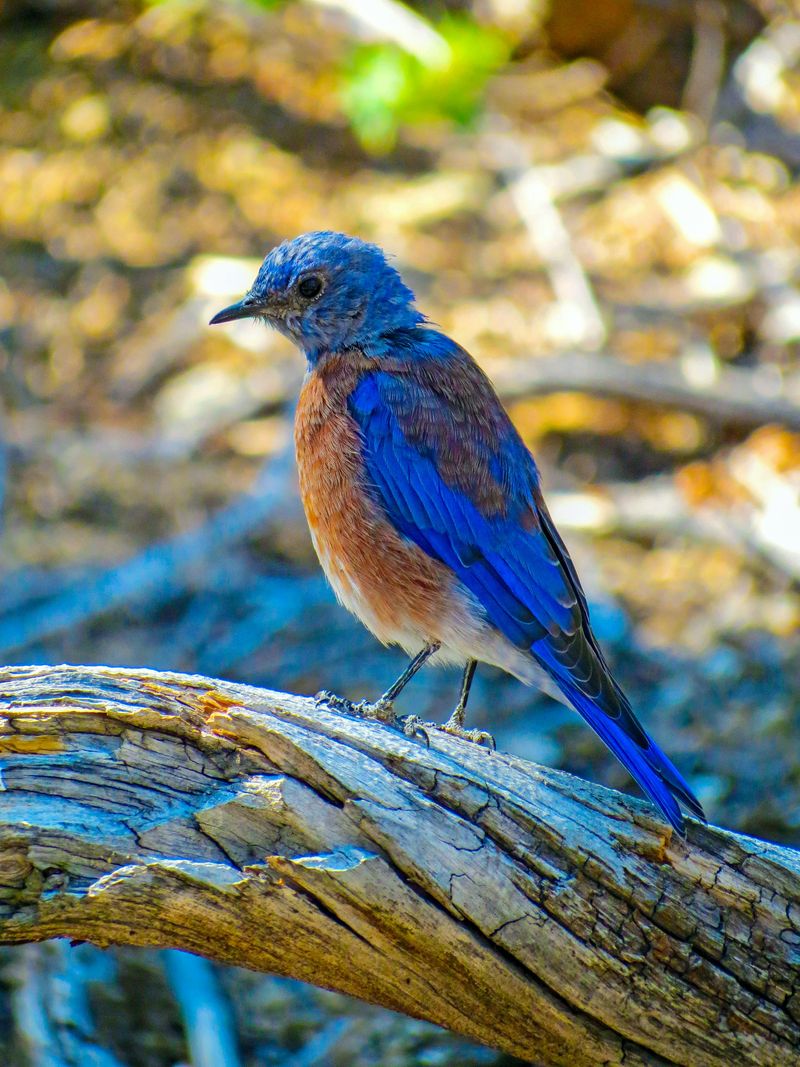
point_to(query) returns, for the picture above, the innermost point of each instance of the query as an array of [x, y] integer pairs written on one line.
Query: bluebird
[[424, 504]]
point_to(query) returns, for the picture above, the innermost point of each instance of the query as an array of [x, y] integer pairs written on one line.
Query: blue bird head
[[327, 292]]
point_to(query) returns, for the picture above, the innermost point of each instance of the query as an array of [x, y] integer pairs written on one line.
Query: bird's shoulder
[[429, 395], [425, 366], [328, 385]]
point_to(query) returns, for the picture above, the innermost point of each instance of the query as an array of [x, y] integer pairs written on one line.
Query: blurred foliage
[[385, 87], [614, 183], [150, 156]]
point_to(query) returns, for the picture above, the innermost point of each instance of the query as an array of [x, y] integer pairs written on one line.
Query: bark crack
[[545, 916]]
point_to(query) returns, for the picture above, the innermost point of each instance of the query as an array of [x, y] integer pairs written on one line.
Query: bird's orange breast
[[400, 593]]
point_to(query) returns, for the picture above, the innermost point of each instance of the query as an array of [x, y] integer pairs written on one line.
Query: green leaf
[[384, 88]]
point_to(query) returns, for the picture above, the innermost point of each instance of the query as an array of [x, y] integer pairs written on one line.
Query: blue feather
[[450, 472], [519, 572]]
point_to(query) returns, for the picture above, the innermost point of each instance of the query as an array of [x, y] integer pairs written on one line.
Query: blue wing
[[462, 486]]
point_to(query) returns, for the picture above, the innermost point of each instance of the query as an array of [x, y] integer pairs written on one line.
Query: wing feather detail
[[451, 473]]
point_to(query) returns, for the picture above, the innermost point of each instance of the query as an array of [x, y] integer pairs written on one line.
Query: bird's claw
[[381, 709], [413, 726], [455, 727], [327, 699]]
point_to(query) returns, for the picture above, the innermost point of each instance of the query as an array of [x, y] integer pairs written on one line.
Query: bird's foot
[[381, 709], [325, 698], [413, 726], [475, 737], [455, 727]]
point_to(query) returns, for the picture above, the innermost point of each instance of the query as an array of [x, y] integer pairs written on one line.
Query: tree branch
[[527, 909], [735, 395]]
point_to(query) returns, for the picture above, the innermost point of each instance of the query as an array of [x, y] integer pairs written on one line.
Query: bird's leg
[[455, 724], [383, 708], [412, 724], [457, 718]]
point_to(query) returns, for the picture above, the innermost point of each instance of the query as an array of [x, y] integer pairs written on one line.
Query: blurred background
[[599, 199]]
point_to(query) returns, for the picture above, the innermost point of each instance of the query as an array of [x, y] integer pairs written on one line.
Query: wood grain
[[520, 906]]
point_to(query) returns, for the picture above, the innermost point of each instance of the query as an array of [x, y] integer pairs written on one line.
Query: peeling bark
[[529, 910]]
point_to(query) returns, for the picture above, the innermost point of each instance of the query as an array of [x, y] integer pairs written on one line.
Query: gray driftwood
[[530, 910]]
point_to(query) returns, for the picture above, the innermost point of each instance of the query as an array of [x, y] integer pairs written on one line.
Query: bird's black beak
[[246, 308]]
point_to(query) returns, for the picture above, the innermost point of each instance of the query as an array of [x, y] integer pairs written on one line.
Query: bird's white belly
[[464, 635]]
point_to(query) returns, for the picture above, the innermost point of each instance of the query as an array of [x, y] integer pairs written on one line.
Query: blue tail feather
[[655, 773], [643, 765]]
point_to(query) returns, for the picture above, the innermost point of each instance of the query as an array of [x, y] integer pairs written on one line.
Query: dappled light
[[600, 201]]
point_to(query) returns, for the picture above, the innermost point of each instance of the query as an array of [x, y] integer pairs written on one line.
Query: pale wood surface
[[520, 906]]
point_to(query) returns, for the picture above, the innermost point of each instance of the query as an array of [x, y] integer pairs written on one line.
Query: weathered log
[[532, 911]]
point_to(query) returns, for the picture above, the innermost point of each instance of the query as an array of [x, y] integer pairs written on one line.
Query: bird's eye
[[310, 287]]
